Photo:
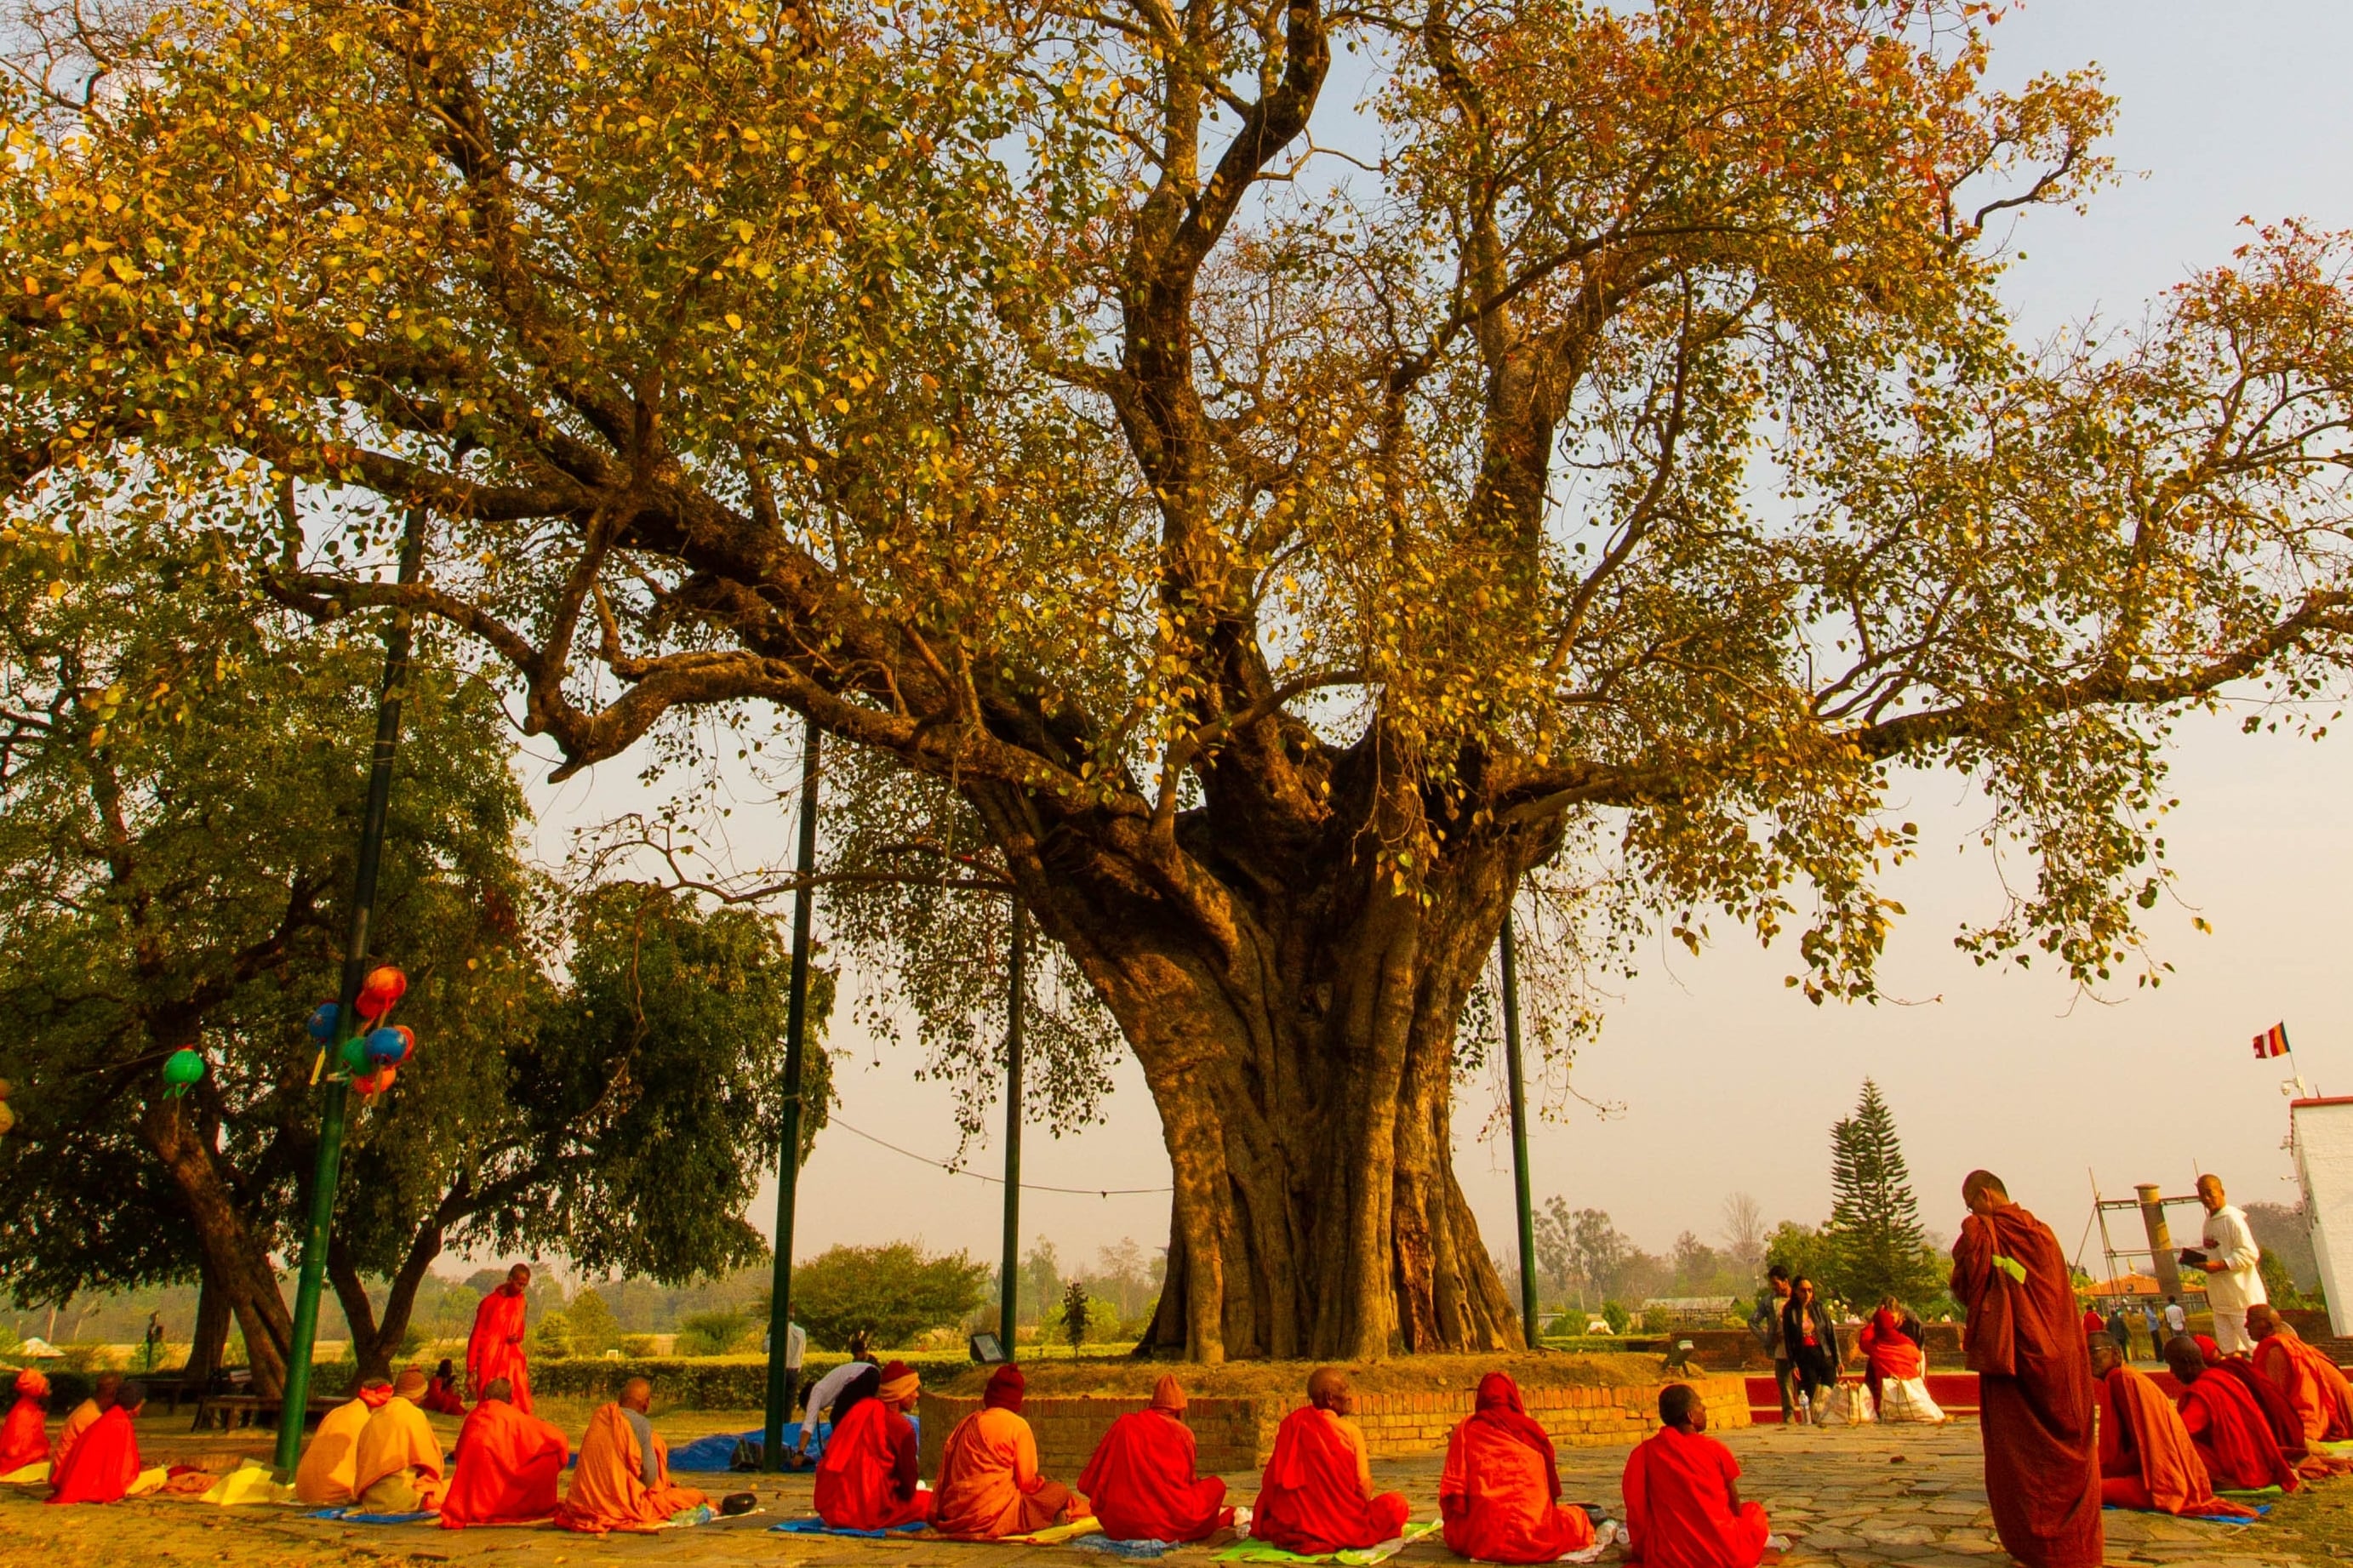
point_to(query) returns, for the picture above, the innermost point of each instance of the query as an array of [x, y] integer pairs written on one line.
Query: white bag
[[1848, 1405], [1909, 1400]]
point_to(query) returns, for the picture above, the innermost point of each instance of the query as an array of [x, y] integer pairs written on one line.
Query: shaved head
[[520, 1275], [103, 1389], [1679, 1406], [2263, 1322], [1327, 1389], [500, 1390], [1979, 1185], [2187, 1362], [637, 1395], [2105, 1356]]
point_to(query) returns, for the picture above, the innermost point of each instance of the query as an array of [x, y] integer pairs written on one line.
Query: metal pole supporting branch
[[788, 1162], [1008, 1293], [1529, 1326]]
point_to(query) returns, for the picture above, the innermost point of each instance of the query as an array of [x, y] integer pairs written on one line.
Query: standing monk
[[2035, 1381], [989, 1481], [1317, 1495], [494, 1350], [507, 1465], [622, 1480], [872, 1474], [2148, 1460], [24, 1436], [1499, 1493], [2323, 1400], [1141, 1480], [1682, 1494]]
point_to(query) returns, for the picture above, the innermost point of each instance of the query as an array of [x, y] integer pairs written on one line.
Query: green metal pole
[[1008, 1295], [295, 1401], [1529, 1326], [789, 1164]]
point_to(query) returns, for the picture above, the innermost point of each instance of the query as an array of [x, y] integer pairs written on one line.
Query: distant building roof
[[1692, 1303]]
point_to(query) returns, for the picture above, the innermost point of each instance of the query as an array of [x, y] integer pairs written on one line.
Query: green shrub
[[639, 1346], [1615, 1314], [893, 1292], [551, 1339], [591, 1326], [716, 1383]]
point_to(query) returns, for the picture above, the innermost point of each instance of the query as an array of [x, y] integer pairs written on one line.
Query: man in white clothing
[[821, 1397], [2232, 1262]]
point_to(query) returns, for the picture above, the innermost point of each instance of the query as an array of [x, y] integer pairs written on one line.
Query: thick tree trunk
[[1301, 1055], [238, 1267], [209, 1339], [376, 1340]]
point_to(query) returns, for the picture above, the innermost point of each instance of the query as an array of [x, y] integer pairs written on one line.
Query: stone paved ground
[[1874, 1497]]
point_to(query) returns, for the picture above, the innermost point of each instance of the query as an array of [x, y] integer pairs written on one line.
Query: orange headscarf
[[32, 1384], [1006, 1387], [1168, 1394], [1499, 1407]]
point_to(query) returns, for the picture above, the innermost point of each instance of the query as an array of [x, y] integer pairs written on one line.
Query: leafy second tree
[[893, 1292], [1875, 1243]]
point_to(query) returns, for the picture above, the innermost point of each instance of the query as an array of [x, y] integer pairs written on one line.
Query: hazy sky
[[1728, 1081]]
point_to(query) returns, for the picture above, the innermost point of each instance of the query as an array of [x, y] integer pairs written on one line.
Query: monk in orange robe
[[989, 1481], [1318, 1496], [441, 1392], [2280, 1415], [2035, 1381], [2146, 1459], [2323, 1399], [1682, 1494], [328, 1475], [507, 1466], [2227, 1425], [396, 1464], [494, 1350], [83, 1416], [622, 1480], [25, 1436], [872, 1474], [1500, 1492], [105, 1459], [1141, 1480]]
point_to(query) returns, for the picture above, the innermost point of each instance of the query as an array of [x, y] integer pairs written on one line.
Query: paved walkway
[[1873, 1498]]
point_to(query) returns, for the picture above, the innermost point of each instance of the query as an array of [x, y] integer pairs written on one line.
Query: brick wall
[[1235, 1435]]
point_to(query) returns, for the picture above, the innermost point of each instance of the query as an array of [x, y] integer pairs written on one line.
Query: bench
[[231, 1411]]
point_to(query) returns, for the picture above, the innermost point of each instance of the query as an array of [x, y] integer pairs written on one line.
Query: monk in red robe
[[441, 1392], [871, 1477], [508, 1465], [83, 1416], [1888, 1351], [1141, 1480], [1318, 1496], [989, 1481], [25, 1436], [2280, 1415], [622, 1480], [2146, 1459], [494, 1350], [2227, 1426], [2035, 1381], [1682, 1494], [105, 1460], [1500, 1492], [2313, 1386]]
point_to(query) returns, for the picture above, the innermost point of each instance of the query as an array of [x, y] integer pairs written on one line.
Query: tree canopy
[[891, 1291], [1267, 560], [1875, 1243]]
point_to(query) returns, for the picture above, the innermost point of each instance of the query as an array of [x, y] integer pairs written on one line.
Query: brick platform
[[1237, 1435]]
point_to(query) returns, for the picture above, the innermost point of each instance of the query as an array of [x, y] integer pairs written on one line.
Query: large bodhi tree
[[1270, 562]]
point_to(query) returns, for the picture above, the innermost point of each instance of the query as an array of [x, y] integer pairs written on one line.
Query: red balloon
[[408, 1034], [376, 1082], [383, 987]]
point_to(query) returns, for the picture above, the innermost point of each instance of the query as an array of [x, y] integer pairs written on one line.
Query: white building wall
[[2322, 1138]]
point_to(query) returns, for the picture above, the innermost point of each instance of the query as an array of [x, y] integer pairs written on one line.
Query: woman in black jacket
[[1809, 1340]]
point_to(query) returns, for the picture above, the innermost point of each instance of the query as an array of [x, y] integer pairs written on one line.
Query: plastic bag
[[1848, 1405], [1907, 1400]]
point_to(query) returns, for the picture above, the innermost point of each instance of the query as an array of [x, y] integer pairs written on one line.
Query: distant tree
[[1615, 1314], [892, 1291], [1601, 1252], [2286, 1233], [1696, 1266], [1555, 1237], [1040, 1293], [710, 1333], [1799, 1248], [589, 1324], [1076, 1302], [1876, 1245], [1743, 1232]]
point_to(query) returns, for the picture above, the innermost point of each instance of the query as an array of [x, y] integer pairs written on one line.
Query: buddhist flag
[[2272, 1042]]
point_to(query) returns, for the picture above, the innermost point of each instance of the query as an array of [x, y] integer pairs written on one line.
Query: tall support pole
[[1529, 1326], [1009, 1287], [2163, 1261], [295, 1399], [788, 1162]]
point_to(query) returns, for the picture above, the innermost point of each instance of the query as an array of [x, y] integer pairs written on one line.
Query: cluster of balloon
[[183, 1071], [7, 1117], [376, 1051]]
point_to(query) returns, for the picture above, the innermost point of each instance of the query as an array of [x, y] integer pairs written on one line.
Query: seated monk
[[622, 1479], [989, 1481], [105, 1458], [327, 1474], [2146, 1459], [1499, 1493], [441, 1392], [872, 1474], [1887, 1350], [1318, 1496], [2227, 1425], [25, 1436], [507, 1465], [85, 1416], [2323, 1399], [2279, 1415], [1141, 1480], [1682, 1494], [396, 1464]]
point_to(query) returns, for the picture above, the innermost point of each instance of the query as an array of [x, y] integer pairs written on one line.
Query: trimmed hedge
[[696, 1383]]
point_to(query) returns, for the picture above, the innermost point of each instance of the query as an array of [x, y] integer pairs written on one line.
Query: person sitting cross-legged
[[105, 1459], [622, 1479], [871, 1477], [1500, 1492], [1318, 1496], [83, 1416], [2226, 1423], [1141, 1480], [396, 1467], [507, 1466], [2314, 1384], [25, 1436], [327, 1476], [1682, 1494], [442, 1393], [2148, 1460], [990, 1484]]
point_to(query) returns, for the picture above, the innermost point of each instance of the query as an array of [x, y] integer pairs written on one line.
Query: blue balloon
[[386, 1044], [322, 1022]]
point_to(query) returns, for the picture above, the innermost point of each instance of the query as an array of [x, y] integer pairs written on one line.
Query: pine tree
[[1876, 1246]]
